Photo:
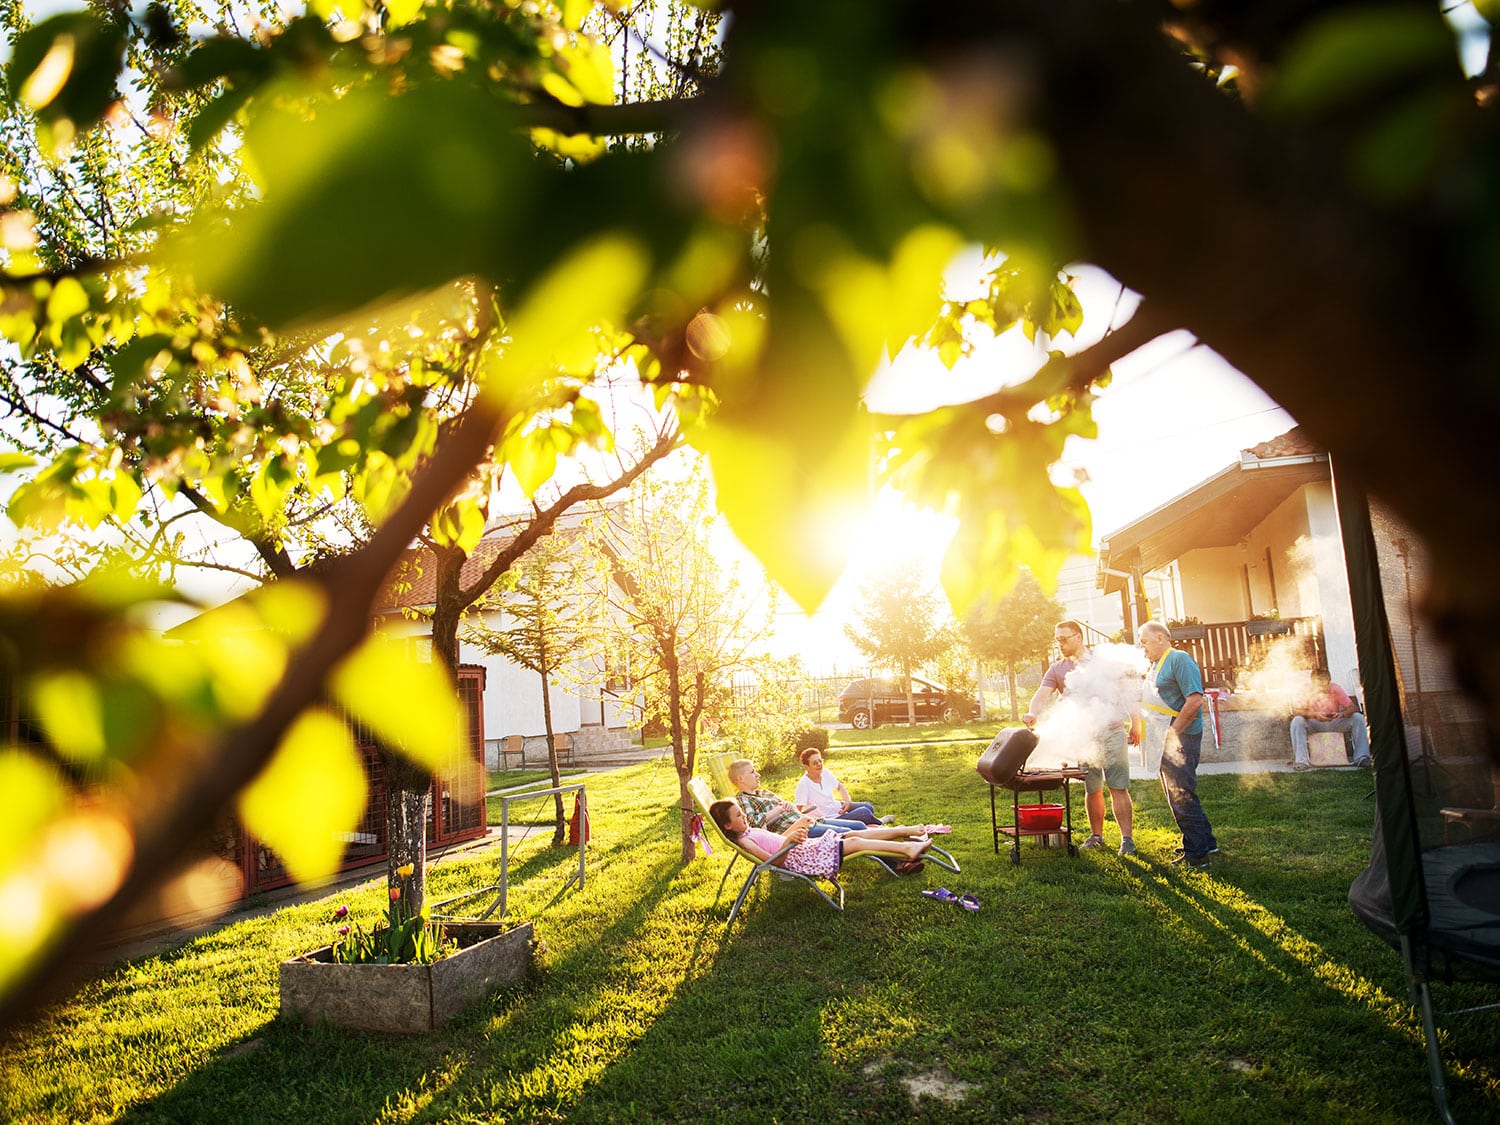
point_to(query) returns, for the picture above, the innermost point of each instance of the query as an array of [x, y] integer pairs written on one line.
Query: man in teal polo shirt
[[1174, 689]]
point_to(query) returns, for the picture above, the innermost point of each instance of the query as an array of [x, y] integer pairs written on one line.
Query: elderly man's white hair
[[1157, 627]]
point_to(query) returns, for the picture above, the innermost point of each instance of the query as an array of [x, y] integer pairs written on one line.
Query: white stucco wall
[[1277, 583], [513, 695], [1327, 585], [1078, 591], [1212, 583]]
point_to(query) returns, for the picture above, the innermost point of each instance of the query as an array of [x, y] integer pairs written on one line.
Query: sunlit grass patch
[[1086, 988]]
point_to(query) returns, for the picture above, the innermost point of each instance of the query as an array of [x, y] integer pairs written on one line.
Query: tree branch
[[545, 518], [350, 585]]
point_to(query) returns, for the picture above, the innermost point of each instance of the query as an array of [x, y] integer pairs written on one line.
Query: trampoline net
[[1453, 785]]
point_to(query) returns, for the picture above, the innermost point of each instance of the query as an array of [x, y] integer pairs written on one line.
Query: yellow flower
[[405, 870]]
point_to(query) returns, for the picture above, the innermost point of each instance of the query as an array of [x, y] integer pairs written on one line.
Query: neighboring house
[[596, 719], [1083, 601]]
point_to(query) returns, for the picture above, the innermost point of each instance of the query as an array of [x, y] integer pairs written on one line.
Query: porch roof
[[1219, 512]]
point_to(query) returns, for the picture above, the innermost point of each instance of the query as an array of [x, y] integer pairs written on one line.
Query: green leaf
[[369, 197], [1398, 153], [31, 794], [67, 299], [380, 486], [309, 797], [241, 659], [222, 56], [411, 705], [72, 713], [593, 284], [399, 12], [292, 610], [532, 457], [10, 461], [124, 495], [39, 503], [588, 68], [65, 67], [876, 308], [210, 121], [1351, 52]]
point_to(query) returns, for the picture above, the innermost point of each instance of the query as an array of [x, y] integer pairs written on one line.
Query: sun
[[896, 531]]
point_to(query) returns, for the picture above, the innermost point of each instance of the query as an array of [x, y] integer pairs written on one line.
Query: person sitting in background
[[824, 795], [1326, 708], [763, 809], [822, 856]]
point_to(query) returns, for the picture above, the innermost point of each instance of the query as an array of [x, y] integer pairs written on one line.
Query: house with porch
[[1253, 552], [1247, 567]]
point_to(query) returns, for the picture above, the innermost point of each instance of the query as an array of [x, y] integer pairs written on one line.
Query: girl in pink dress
[[820, 857]]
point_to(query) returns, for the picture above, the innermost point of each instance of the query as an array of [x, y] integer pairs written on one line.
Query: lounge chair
[[703, 797]]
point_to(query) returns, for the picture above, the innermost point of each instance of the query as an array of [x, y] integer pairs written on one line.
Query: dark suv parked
[[869, 702]]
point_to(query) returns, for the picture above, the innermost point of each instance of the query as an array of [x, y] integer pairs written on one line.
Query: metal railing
[[501, 888]]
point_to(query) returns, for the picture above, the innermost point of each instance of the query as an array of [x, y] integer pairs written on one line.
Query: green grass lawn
[[893, 734], [1086, 989]]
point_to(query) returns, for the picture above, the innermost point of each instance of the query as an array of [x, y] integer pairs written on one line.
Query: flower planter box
[[406, 998], [1267, 628], [1188, 632]]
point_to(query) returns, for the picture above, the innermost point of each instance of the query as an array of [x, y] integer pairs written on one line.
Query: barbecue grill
[[1003, 765]]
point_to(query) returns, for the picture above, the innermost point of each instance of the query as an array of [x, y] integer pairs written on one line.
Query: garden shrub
[[808, 738]]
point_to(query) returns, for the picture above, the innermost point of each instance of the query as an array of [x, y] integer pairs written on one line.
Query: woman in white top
[[824, 795]]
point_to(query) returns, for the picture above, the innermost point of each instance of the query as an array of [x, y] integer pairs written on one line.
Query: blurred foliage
[[263, 273]]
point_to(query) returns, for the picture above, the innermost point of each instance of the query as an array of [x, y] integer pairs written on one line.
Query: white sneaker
[[1093, 842], [1127, 846]]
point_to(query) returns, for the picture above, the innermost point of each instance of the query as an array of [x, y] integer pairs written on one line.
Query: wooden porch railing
[[1225, 650]]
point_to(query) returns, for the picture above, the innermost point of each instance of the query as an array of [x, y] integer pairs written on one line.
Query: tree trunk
[[680, 757], [407, 787], [559, 831], [1015, 714], [407, 791]]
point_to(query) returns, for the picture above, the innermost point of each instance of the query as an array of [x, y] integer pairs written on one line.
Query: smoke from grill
[[1101, 693]]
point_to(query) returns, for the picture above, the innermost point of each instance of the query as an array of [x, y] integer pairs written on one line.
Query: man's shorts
[[1116, 771]]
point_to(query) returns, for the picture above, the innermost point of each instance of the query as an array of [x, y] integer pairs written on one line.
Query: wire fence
[[819, 694]]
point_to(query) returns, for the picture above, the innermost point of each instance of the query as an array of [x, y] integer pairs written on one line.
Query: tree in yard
[[553, 600], [1309, 189], [456, 591], [1014, 630], [684, 623], [954, 666], [900, 625]]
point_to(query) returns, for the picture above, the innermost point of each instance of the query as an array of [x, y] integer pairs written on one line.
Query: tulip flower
[[395, 894], [405, 870], [341, 912]]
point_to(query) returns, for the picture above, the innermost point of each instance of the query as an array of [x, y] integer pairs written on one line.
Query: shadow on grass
[[1086, 988], [294, 1073]]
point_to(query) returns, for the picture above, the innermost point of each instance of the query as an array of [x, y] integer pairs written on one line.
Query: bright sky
[[1174, 415]]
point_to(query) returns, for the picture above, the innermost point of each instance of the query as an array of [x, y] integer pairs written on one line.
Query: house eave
[[1219, 512]]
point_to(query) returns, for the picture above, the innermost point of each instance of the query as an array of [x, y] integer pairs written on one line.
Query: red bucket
[[1040, 818]]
